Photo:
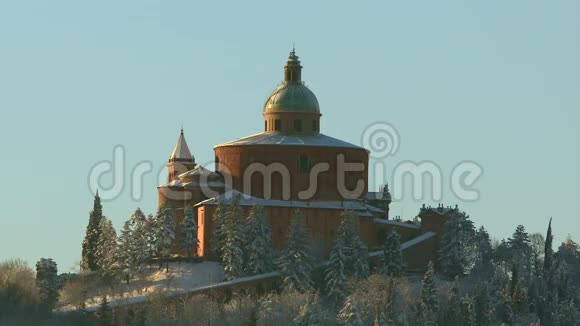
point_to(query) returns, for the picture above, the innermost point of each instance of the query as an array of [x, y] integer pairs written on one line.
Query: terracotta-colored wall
[[322, 223], [236, 159]]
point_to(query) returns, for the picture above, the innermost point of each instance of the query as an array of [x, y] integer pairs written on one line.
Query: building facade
[[292, 165]]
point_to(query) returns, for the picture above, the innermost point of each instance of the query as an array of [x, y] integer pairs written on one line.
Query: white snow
[[275, 138], [247, 200], [408, 244], [395, 223]]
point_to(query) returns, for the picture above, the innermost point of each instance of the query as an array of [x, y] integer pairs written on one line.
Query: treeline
[[142, 239]]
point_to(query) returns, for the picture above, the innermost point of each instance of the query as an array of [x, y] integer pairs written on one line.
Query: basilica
[[292, 165]]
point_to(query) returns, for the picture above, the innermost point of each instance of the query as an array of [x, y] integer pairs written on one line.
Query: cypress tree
[[548, 252], [89, 247]]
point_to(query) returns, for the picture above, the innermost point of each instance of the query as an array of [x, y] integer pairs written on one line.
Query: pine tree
[[188, 232], [483, 252], [350, 313], [150, 234], [453, 315], [104, 312], [457, 245], [165, 236], [310, 313], [47, 282], [232, 250], [140, 233], [89, 247], [296, 262], [219, 218], [520, 251], [127, 257], [107, 252], [392, 258], [348, 258], [429, 306], [259, 246]]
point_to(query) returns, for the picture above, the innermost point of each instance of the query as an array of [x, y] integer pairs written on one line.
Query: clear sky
[[495, 82]]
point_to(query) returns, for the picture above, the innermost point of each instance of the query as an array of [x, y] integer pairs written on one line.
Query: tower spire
[[181, 151]]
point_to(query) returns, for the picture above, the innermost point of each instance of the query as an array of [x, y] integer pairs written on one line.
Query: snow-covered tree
[[107, 253], [150, 234], [392, 258], [89, 247], [429, 306], [457, 246], [128, 262], [452, 313], [188, 232], [219, 219], [165, 232], [259, 247], [350, 313], [232, 249], [47, 282], [140, 233], [296, 262], [311, 313], [348, 258]]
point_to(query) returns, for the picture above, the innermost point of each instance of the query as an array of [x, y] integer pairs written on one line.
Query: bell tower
[[180, 160]]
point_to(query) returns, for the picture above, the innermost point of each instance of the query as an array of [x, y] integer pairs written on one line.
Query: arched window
[[265, 125], [277, 125]]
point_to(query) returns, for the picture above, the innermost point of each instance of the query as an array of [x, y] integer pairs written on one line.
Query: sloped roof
[[396, 223], [181, 151], [246, 200], [408, 244], [276, 138]]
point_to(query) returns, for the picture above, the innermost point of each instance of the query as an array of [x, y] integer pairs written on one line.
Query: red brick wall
[[237, 159]]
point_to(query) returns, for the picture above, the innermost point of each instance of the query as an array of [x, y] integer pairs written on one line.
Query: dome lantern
[[292, 108]]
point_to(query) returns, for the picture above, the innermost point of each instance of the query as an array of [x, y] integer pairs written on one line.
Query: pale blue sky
[[497, 82]]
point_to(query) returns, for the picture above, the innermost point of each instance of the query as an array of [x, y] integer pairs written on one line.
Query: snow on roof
[[408, 244], [181, 151], [396, 223], [247, 200], [276, 138], [199, 170]]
